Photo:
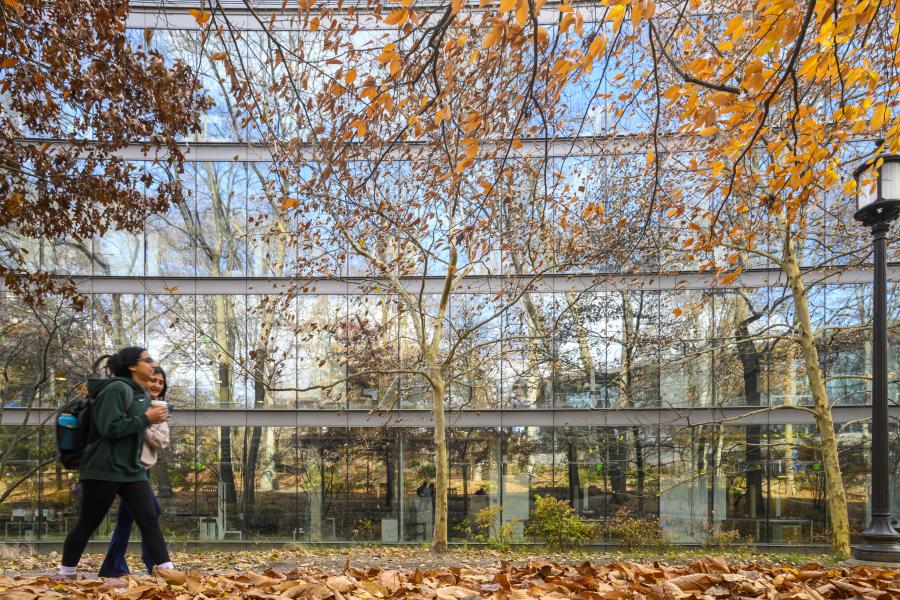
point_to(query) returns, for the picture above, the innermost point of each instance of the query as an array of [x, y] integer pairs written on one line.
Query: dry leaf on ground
[[711, 579]]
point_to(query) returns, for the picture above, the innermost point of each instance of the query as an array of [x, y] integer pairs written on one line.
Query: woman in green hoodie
[[111, 464]]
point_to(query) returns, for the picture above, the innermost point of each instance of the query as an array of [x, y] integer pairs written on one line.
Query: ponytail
[[96, 366], [117, 364]]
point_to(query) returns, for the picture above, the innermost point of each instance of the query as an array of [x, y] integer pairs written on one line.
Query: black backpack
[[73, 427]]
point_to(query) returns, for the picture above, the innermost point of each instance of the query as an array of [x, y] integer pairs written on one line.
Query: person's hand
[[157, 414]]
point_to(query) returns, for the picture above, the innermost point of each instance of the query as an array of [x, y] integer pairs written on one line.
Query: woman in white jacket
[[156, 438]]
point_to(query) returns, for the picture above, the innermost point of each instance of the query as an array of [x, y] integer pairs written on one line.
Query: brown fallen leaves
[[711, 578]]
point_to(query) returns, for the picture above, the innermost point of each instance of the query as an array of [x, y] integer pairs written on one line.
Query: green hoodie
[[116, 437]]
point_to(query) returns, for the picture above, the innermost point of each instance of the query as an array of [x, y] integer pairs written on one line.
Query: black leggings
[[96, 498]]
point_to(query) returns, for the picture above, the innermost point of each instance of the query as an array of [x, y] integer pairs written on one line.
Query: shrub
[[722, 538], [484, 529], [635, 533], [558, 525], [364, 529]]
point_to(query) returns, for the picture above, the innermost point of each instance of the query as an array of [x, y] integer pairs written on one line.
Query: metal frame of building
[[586, 146], [476, 284], [271, 15], [422, 418]]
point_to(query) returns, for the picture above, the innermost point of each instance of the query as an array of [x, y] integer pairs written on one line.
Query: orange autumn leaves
[[780, 96], [711, 577], [70, 73], [769, 95]]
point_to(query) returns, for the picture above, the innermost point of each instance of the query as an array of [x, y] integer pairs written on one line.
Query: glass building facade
[[348, 462], [665, 396]]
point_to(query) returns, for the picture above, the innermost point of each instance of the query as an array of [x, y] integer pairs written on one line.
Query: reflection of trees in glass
[[231, 220], [367, 342], [471, 451], [77, 185], [475, 379], [45, 353], [319, 454], [320, 331]]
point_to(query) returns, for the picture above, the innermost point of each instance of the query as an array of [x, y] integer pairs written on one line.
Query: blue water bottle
[[68, 424]]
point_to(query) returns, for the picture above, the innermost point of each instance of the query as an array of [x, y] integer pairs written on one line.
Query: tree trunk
[[750, 358], [225, 343], [630, 329], [835, 493], [226, 469], [536, 353], [465, 484], [163, 482], [789, 387], [442, 479], [584, 347], [315, 494], [251, 449], [250, 462], [226, 466], [389, 483], [121, 335], [268, 481], [535, 343], [323, 487], [712, 481], [700, 432], [639, 465], [616, 467], [574, 478]]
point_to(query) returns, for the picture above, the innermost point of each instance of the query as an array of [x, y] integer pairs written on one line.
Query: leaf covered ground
[[461, 575]]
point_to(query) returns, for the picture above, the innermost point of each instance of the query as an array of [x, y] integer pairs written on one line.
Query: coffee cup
[[155, 403]]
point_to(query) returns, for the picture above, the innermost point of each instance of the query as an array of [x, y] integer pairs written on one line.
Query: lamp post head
[[878, 190]]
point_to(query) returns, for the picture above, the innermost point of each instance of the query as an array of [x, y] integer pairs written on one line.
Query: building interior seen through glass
[[345, 483], [638, 384]]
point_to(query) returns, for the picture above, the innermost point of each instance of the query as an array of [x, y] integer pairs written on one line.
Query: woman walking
[[156, 438], [111, 464]]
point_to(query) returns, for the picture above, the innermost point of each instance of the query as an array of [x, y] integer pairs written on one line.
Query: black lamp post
[[878, 203]]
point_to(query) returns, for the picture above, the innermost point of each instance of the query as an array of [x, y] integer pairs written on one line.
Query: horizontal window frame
[[474, 284], [423, 418]]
